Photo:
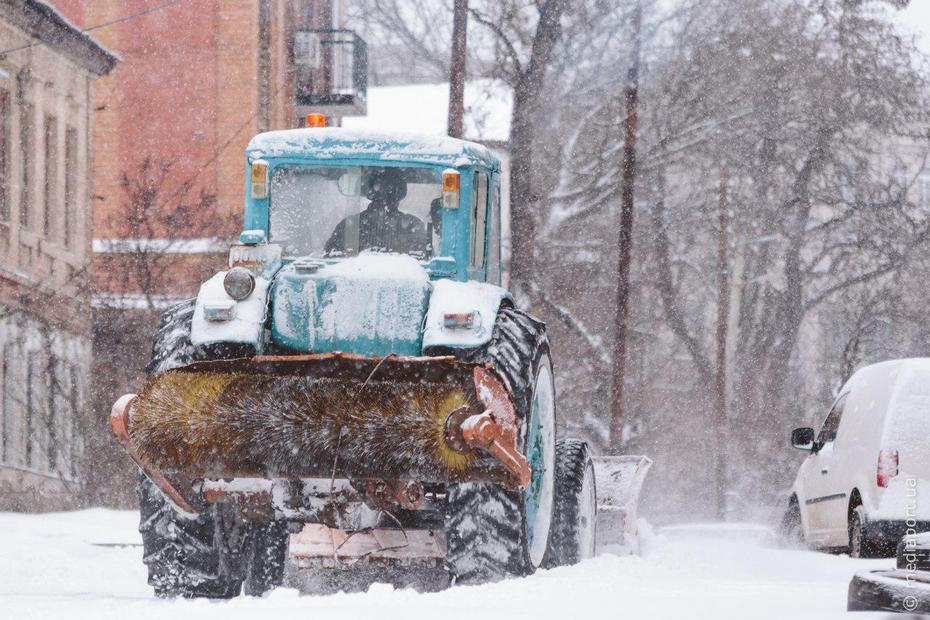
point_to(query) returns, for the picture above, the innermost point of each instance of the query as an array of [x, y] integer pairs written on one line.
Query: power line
[[119, 20]]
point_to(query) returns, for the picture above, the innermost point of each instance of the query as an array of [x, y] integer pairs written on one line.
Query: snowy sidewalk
[[77, 565]]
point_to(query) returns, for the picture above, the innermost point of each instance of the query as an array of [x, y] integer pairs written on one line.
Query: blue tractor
[[356, 395]]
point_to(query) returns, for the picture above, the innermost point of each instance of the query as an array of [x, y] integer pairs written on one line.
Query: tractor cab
[[361, 243], [325, 194]]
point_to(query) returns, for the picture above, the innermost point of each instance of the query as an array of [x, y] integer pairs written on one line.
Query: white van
[[867, 479]]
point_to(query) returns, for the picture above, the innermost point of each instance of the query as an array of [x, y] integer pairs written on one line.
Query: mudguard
[[247, 317], [478, 299]]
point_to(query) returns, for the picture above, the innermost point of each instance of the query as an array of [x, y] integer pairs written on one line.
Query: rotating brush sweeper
[[357, 398]]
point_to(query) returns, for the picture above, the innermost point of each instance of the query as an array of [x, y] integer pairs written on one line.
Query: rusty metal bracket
[[483, 431], [494, 430], [408, 494], [119, 424], [331, 547]]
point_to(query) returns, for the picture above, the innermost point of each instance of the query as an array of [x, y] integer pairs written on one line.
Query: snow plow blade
[[619, 480], [321, 416]]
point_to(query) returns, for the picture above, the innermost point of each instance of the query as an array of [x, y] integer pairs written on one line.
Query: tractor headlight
[[239, 283]]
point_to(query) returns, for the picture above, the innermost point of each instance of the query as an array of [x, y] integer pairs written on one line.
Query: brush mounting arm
[[482, 431]]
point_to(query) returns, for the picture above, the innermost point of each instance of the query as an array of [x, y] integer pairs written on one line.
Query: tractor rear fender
[[220, 318], [462, 314]]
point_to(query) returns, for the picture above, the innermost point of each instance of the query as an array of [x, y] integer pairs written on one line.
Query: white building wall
[[43, 395]]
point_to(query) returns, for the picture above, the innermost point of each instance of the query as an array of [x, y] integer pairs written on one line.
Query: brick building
[[48, 71], [197, 79]]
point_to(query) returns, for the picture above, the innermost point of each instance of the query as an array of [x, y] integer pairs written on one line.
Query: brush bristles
[[291, 425]]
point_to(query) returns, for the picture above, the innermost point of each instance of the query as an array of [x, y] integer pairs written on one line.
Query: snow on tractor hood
[[377, 304], [477, 301], [247, 317], [372, 304]]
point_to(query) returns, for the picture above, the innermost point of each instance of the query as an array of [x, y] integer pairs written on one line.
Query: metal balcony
[[332, 72]]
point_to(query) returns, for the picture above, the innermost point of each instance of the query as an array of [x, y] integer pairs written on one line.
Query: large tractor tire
[[190, 557], [213, 554], [267, 553], [574, 522], [493, 533]]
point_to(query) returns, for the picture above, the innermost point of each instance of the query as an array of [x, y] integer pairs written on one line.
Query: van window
[[832, 423]]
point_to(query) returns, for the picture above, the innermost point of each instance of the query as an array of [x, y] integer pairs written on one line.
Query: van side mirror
[[803, 438]]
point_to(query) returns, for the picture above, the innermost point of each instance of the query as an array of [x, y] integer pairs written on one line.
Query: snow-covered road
[[87, 565]]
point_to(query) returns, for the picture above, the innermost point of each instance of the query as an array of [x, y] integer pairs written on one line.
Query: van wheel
[[860, 544], [791, 530]]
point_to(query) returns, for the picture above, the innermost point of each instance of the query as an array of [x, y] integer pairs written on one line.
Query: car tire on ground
[[861, 543], [791, 528]]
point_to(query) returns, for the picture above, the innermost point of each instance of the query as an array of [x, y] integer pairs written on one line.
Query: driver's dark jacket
[[379, 228]]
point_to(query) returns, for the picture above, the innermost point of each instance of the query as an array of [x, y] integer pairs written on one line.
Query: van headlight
[[239, 283]]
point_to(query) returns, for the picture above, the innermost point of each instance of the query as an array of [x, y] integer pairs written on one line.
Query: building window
[[4, 157], [51, 173], [71, 176], [6, 402], [27, 159], [32, 393], [51, 413], [74, 403]]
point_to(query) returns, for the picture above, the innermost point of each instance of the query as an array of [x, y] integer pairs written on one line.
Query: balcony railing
[[332, 70]]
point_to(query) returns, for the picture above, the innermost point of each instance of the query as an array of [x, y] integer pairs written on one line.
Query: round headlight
[[239, 283]]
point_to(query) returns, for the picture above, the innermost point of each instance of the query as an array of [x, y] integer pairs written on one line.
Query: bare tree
[[526, 36], [625, 238], [809, 122], [147, 268], [821, 211]]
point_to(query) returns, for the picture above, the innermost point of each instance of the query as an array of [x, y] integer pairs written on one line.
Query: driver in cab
[[381, 226]]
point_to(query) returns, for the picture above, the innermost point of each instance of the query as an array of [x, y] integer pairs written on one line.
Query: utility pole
[[457, 68], [625, 242], [723, 321]]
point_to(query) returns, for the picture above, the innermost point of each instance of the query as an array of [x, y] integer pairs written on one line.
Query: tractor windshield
[[327, 211]]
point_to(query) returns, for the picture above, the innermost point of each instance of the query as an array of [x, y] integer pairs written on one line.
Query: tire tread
[[571, 463], [484, 522]]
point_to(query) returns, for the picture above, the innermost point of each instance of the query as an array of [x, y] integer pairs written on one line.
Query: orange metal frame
[[494, 431], [119, 424]]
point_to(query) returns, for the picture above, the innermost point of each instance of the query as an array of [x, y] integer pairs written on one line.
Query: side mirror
[[803, 438]]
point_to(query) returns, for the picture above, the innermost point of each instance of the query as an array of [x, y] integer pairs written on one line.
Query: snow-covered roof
[[45, 23], [424, 108], [342, 143]]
